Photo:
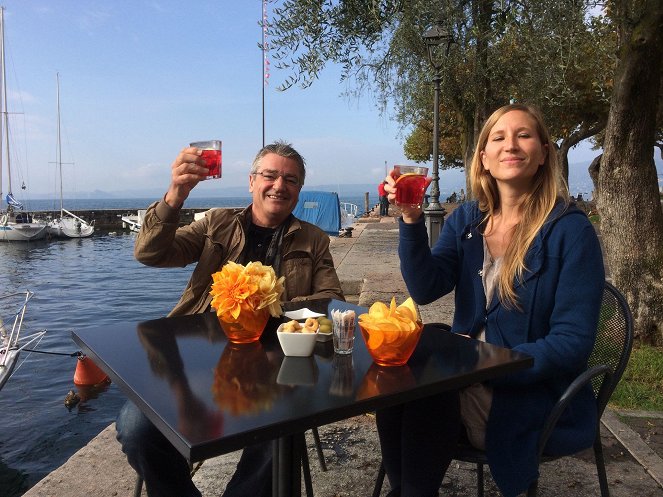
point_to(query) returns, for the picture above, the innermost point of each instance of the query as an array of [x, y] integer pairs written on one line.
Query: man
[[384, 201], [265, 231]]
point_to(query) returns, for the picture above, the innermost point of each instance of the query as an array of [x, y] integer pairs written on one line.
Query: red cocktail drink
[[211, 154], [410, 185], [213, 160]]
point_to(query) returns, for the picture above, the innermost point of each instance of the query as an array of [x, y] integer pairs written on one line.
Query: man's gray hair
[[283, 149]]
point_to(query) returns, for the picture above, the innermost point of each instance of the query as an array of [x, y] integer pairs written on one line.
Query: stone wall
[[111, 219]]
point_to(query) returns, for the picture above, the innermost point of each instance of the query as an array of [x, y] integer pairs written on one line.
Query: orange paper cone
[[88, 373]]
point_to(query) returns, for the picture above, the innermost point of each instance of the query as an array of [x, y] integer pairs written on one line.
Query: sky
[[139, 80]]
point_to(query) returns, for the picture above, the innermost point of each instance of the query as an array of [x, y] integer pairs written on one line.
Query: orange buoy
[[88, 373]]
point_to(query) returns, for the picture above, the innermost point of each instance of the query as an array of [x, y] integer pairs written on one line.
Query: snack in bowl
[[325, 325], [292, 327], [298, 342], [310, 326], [325, 329], [391, 332]]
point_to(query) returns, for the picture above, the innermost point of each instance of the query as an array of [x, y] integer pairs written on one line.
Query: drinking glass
[[410, 185], [211, 155], [343, 331]]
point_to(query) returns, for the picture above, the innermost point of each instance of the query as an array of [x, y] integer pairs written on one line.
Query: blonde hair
[[547, 188]]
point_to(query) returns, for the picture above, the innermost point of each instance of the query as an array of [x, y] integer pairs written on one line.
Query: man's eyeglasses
[[272, 176]]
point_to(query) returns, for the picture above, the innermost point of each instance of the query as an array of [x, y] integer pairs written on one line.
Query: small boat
[[11, 341], [134, 221], [14, 226], [68, 225], [348, 214]]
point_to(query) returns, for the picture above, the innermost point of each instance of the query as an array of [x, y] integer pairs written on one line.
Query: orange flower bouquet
[[244, 297]]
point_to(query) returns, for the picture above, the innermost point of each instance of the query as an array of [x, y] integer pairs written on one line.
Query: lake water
[[142, 203], [78, 284]]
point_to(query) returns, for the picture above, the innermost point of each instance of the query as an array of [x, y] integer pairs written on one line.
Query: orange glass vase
[[248, 326], [391, 347]]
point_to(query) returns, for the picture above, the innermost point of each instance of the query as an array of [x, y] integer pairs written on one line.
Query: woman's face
[[514, 152]]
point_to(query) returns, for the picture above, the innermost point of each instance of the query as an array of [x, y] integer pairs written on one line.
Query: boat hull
[[134, 222], [22, 232], [7, 363], [69, 227]]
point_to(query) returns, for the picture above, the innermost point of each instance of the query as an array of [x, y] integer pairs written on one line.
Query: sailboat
[[11, 342], [68, 225], [14, 226]]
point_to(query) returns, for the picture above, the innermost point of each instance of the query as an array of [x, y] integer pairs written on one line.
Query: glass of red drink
[[410, 185], [211, 155]]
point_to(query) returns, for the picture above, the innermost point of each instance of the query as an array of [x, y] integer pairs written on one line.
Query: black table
[[210, 397]]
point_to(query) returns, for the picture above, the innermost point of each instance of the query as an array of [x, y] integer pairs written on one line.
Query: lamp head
[[436, 37]]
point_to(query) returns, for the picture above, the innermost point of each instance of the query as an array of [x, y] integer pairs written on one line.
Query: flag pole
[[264, 65]]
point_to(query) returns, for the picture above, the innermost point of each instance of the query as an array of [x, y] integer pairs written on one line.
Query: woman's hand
[[410, 214], [186, 171]]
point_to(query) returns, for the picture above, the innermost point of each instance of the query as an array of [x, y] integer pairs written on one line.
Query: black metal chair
[[306, 469], [606, 365]]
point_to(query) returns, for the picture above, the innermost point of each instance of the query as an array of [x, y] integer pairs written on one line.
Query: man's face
[[275, 190]]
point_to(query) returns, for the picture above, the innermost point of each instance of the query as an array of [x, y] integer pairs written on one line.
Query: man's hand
[[186, 171]]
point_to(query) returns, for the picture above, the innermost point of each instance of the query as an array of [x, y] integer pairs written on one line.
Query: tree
[[541, 52], [573, 87], [629, 205]]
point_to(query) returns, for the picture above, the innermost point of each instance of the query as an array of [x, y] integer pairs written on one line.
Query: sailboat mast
[[5, 114], [59, 149], [3, 109]]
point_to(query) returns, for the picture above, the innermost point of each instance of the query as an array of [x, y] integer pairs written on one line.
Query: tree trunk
[[585, 131], [593, 170], [629, 205]]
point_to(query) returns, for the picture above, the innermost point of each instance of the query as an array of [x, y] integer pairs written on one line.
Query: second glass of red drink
[[410, 185]]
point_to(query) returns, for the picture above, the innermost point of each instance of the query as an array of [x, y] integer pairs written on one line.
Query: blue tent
[[320, 208]]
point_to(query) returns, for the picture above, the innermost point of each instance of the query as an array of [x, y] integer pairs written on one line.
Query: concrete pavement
[[367, 265]]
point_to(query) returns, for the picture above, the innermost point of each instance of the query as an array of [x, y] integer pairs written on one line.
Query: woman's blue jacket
[[559, 301]]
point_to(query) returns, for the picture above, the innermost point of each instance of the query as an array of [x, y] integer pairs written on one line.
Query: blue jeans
[[166, 472]]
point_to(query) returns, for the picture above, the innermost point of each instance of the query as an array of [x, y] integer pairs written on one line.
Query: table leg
[[286, 467]]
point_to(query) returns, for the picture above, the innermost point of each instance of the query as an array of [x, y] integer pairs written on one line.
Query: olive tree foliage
[[379, 44], [551, 54], [569, 60], [629, 204]]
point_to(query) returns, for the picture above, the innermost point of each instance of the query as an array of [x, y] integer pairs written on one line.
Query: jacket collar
[[534, 258], [245, 218]]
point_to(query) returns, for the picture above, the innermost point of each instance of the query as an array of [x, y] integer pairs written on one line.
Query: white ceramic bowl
[[296, 344]]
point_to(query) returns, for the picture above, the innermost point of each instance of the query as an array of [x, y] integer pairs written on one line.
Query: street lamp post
[[437, 38]]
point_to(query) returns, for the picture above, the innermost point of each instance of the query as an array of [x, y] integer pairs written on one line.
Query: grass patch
[[641, 386]]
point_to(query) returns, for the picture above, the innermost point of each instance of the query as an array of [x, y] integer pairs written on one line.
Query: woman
[[527, 272]]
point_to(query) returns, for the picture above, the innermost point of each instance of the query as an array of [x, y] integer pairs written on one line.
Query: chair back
[[614, 340]]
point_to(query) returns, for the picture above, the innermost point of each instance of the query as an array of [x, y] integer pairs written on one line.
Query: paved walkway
[[368, 267]]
